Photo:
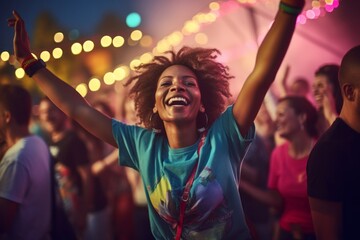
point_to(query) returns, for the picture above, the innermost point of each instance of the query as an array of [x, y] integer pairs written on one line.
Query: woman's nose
[[177, 87]]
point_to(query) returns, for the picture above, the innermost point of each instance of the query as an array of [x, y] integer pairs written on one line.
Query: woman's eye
[[165, 84], [191, 84]]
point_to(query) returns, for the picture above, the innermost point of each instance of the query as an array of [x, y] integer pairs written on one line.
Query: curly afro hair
[[213, 79]]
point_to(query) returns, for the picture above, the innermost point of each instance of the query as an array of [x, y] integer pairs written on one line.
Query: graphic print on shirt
[[206, 215]]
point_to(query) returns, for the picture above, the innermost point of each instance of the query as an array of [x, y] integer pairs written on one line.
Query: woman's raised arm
[[62, 94], [269, 57]]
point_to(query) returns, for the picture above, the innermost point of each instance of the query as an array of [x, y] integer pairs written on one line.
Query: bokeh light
[[5, 56], [58, 37], [94, 84], [82, 89], [133, 20]]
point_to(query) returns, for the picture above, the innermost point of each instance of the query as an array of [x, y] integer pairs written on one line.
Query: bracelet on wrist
[[27, 61], [32, 66], [292, 10]]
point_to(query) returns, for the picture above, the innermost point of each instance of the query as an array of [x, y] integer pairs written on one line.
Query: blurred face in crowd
[[51, 118], [321, 87], [300, 88], [287, 121]]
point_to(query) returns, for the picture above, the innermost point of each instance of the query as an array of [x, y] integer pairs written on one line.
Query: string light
[[319, 8]]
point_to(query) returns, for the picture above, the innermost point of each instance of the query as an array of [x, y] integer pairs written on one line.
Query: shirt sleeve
[[133, 142], [238, 144], [14, 182]]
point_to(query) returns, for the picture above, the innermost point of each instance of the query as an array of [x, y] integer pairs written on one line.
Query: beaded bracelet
[[292, 10]]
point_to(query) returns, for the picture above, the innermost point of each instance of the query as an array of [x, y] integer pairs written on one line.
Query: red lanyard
[[186, 193]]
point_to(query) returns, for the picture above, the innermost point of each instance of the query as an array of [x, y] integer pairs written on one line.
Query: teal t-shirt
[[214, 210]]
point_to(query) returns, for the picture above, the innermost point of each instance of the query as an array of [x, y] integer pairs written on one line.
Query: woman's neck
[[181, 136], [301, 145]]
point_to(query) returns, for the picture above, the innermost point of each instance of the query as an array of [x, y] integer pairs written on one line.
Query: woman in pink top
[[296, 122]]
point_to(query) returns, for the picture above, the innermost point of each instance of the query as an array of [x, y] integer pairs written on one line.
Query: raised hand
[[21, 41]]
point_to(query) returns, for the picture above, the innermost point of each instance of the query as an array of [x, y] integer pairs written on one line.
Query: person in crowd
[[254, 170], [298, 87], [191, 178], [296, 121], [113, 178], [71, 163], [3, 146], [25, 178], [141, 214], [333, 166], [327, 95]]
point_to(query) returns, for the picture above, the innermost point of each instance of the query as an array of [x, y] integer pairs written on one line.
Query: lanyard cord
[[186, 193]]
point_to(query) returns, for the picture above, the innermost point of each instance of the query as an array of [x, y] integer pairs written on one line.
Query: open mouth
[[177, 101]]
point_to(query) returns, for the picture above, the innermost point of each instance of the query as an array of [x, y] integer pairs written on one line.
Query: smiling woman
[[191, 178], [193, 68]]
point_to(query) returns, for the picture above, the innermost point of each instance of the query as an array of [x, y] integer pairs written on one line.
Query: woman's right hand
[[21, 41]]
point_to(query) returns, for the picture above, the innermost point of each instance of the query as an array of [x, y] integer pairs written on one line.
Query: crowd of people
[[192, 166]]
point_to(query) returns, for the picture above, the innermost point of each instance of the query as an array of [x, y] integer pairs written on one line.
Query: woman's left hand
[[21, 39]]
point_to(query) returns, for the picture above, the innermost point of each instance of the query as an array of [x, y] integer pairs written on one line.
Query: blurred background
[[94, 45]]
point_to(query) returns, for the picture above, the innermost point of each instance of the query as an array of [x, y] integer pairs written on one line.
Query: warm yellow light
[[118, 41], [82, 89], [315, 4], [163, 46], [109, 78], [88, 46], [214, 6], [134, 63], [76, 48], [175, 38], [57, 53], [146, 57], [200, 18], [121, 73], [105, 41], [191, 27], [5, 56], [94, 84], [34, 55], [136, 35], [146, 41], [45, 56], [58, 37], [329, 2], [19, 73], [201, 38], [210, 17]]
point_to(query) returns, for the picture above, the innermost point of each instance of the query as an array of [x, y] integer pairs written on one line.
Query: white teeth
[[178, 99]]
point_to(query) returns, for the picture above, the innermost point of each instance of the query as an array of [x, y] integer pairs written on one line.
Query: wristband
[[27, 61], [292, 10], [33, 66]]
